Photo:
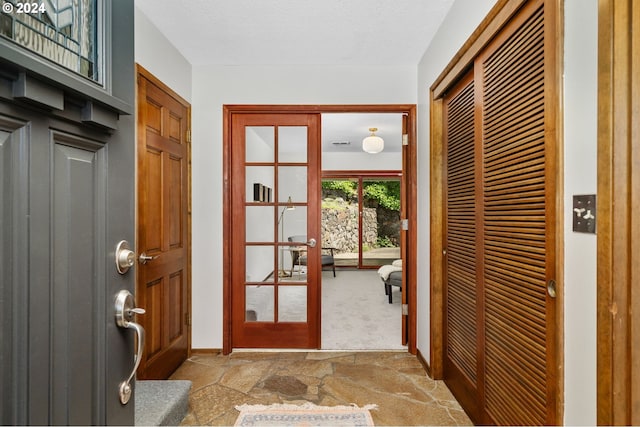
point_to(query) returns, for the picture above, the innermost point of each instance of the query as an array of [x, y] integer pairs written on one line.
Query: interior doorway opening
[[235, 275]]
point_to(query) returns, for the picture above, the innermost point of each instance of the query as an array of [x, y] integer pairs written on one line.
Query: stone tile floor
[[395, 381]]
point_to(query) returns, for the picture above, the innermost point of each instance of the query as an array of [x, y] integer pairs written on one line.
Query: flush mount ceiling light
[[373, 144]]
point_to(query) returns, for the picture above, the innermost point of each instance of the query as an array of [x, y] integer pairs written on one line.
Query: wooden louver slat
[[514, 217]]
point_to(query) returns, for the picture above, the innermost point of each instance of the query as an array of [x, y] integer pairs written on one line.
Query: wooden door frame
[[495, 20], [230, 110], [618, 339], [143, 72]]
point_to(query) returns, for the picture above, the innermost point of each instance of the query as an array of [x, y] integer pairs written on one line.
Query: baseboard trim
[[196, 351], [424, 363]]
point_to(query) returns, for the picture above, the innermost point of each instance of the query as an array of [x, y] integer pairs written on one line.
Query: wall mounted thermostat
[[584, 213]]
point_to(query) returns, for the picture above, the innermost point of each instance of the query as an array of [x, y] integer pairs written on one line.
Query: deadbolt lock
[[125, 257]]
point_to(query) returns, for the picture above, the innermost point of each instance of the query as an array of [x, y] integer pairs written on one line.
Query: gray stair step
[[161, 403]]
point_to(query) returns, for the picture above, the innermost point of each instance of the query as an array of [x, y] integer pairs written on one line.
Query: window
[[65, 32]]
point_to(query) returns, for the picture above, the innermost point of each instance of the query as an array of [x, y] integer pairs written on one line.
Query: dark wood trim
[[412, 216], [424, 363], [307, 109], [618, 343], [409, 109], [357, 173], [554, 72], [226, 232], [189, 233], [436, 223], [206, 351]]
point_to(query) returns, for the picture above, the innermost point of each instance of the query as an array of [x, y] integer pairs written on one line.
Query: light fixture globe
[[373, 144]]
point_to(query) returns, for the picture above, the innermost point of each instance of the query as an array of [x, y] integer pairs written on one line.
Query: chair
[[395, 279], [297, 258], [391, 275]]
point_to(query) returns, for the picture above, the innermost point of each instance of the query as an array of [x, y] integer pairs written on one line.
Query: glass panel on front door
[[64, 32]]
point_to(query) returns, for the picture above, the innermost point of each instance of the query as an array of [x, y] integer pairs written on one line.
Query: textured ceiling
[[352, 128], [305, 32], [298, 32]]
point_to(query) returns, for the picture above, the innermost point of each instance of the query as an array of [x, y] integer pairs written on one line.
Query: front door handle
[[312, 243], [125, 310]]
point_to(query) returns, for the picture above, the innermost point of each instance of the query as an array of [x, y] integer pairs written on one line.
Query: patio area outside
[[366, 221]]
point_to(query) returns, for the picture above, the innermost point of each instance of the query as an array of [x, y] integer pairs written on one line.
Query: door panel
[[518, 255], [163, 279], [67, 165], [276, 204], [62, 354], [76, 172], [461, 302]]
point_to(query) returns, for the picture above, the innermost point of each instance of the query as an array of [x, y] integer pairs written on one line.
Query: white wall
[[362, 161], [580, 156], [219, 85], [580, 165], [463, 17], [158, 56]]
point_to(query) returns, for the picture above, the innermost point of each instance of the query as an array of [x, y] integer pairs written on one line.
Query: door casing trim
[[230, 110]]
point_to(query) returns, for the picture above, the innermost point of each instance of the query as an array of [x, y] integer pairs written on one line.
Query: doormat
[[303, 415]]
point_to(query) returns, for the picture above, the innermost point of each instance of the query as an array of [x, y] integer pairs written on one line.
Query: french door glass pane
[[292, 303], [259, 184], [259, 224], [259, 303], [292, 182], [293, 223], [260, 143], [259, 263], [292, 144]]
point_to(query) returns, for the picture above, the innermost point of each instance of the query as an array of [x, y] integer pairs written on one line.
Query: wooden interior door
[[163, 285], [275, 200], [500, 265]]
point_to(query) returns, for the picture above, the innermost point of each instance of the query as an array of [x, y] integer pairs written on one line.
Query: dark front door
[[67, 153]]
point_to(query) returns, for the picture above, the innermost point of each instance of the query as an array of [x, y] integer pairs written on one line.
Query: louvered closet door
[[518, 222], [500, 219], [460, 295]]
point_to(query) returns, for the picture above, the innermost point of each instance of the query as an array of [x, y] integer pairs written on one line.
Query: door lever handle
[[143, 258], [125, 310]]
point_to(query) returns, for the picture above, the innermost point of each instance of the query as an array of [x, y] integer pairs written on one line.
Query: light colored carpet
[[356, 314], [303, 415]]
